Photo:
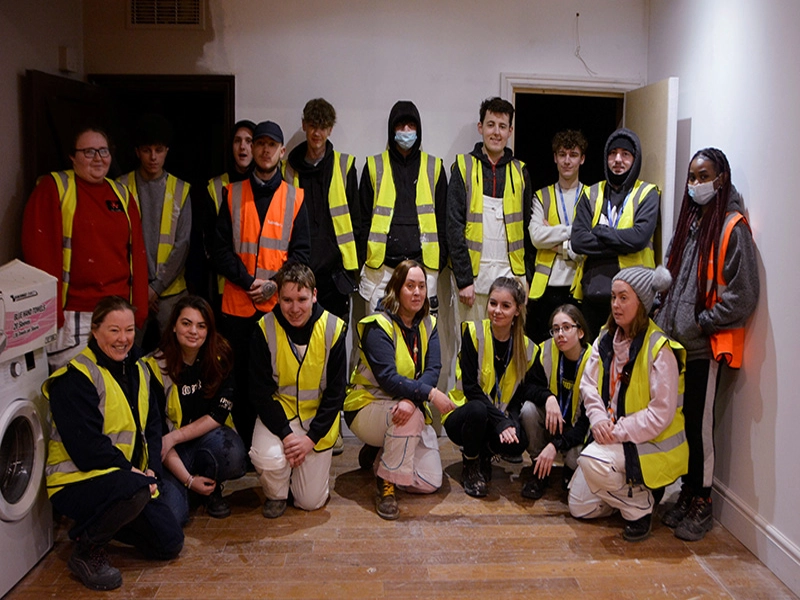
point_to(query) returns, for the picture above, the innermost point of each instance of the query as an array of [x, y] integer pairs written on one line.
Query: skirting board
[[771, 547]]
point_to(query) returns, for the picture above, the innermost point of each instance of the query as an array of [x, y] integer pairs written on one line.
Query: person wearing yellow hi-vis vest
[[166, 209], [103, 465], [554, 416], [193, 368], [488, 213], [614, 226], [550, 230], [493, 379], [402, 194], [84, 229], [329, 180], [632, 388], [298, 379]]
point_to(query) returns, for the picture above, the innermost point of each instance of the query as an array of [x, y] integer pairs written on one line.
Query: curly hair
[[569, 139], [319, 113]]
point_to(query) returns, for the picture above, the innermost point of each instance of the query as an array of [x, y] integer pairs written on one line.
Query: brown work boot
[[386, 502]]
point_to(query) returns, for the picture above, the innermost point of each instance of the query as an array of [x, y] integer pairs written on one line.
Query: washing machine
[[26, 516]]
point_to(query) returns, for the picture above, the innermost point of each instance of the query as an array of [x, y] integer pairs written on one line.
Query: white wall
[[363, 55], [30, 34], [739, 84]]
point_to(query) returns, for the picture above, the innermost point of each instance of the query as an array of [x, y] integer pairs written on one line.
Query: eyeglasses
[[90, 153], [566, 328]]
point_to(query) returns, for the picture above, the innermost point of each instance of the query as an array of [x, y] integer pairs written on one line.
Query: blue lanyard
[[612, 222], [564, 204]]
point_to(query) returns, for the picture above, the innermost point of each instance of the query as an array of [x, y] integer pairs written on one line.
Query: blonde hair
[[518, 356]]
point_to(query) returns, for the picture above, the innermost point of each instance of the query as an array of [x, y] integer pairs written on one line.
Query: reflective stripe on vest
[[364, 388], [175, 193], [545, 257], [337, 205], [118, 421], [68, 197], [215, 186], [666, 457], [726, 344], [472, 174], [483, 342], [384, 197], [549, 356], [262, 251], [301, 383]]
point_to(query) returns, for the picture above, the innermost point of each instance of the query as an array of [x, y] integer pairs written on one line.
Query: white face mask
[[702, 193]]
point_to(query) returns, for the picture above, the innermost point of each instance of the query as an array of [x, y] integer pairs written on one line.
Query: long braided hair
[[710, 223]]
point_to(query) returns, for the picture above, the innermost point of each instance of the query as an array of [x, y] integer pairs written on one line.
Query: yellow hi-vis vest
[[549, 358], [301, 383], [472, 174], [215, 187], [364, 388], [175, 196], [666, 457], [380, 174], [118, 421], [68, 196], [595, 196], [545, 257], [337, 205], [174, 411], [483, 342]]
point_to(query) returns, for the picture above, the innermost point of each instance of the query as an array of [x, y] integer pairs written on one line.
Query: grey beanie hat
[[645, 282]]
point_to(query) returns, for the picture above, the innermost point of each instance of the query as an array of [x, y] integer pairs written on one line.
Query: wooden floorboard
[[446, 545]]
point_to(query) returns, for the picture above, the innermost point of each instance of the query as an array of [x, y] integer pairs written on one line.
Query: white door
[[652, 112]]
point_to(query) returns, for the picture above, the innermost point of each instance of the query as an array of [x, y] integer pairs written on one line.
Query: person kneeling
[[298, 378], [633, 391]]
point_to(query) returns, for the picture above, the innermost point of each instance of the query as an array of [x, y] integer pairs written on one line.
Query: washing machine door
[[22, 452]]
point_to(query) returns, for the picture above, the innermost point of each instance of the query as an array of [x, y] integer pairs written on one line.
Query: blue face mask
[[405, 139]]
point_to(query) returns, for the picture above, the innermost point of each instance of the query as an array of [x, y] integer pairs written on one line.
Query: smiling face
[[93, 169], [412, 294], [191, 330], [296, 303], [502, 310], [115, 334], [243, 149], [624, 305], [495, 131], [151, 159], [568, 342]]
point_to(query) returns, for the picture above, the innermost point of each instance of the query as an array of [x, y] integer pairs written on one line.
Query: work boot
[[675, 515], [386, 502], [89, 563], [535, 487], [367, 456], [216, 506], [273, 509], [638, 530], [697, 521], [472, 478]]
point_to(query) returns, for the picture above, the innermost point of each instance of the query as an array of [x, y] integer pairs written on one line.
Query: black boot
[[89, 563], [472, 478], [216, 506]]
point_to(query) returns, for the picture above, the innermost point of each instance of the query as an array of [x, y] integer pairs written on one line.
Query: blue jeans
[[219, 455]]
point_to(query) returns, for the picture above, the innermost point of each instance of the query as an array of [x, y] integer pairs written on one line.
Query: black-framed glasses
[[566, 328], [90, 153]]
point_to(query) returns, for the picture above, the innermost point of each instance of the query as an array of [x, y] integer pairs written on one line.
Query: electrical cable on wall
[[578, 45]]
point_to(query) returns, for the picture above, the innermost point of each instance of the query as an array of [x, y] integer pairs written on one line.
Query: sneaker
[[367, 456], [386, 502], [535, 487], [675, 515], [638, 530], [90, 564], [697, 521], [486, 466], [338, 445], [472, 478], [273, 509], [216, 506]]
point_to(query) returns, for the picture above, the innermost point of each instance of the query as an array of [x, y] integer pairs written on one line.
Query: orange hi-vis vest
[[262, 248]]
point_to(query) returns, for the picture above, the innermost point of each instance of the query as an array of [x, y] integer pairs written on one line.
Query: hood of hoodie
[[404, 110], [636, 167]]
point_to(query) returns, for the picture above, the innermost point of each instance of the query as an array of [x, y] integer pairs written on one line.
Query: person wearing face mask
[[712, 259], [403, 193], [614, 225]]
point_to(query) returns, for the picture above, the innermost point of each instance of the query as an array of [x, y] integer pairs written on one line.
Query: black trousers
[[472, 427]]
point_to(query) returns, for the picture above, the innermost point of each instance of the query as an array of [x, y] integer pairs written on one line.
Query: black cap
[[268, 129], [622, 142], [246, 123]]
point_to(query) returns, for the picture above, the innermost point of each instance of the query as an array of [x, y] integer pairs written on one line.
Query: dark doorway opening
[[539, 116]]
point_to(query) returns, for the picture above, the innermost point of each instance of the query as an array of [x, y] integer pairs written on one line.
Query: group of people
[[573, 343]]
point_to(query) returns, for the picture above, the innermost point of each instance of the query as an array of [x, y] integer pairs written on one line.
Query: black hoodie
[[603, 244], [403, 240]]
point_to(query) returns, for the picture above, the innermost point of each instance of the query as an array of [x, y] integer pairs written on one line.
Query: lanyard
[[564, 399], [497, 375], [564, 204], [614, 222]]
